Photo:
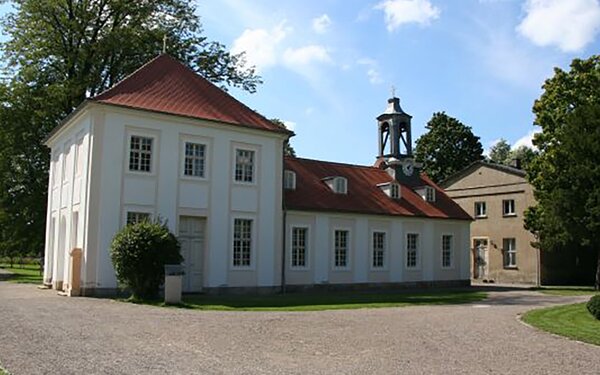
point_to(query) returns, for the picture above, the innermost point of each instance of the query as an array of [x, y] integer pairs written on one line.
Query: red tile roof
[[165, 85], [312, 194]]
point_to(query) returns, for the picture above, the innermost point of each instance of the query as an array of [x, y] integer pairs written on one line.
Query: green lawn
[[567, 290], [573, 321], [325, 301], [25, 274]]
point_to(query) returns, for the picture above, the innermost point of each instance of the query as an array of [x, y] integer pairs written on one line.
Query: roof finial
[[164, 44], [393, 91]]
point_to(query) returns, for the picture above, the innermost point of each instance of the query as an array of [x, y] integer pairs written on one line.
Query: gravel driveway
[[42, 333]]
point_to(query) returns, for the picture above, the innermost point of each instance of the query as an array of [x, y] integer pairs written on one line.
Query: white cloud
[[321, 24], [261, 45], [298, 57], [399, 12], [526, 140], [372, 70], [290, 125], [568, 24]]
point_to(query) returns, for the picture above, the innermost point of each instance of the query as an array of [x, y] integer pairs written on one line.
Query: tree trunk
[[597, 286]]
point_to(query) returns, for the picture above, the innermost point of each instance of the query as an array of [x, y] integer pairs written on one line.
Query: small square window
[[137, 217], [508, 207], [244, 165], [340, 185], [480, 210]]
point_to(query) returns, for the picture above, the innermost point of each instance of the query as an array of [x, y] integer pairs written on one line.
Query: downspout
[[284, 217]]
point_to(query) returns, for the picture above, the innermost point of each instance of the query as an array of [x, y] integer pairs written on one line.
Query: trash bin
[[173, 283]]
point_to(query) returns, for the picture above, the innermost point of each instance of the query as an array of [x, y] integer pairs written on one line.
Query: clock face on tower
[[408, 168]]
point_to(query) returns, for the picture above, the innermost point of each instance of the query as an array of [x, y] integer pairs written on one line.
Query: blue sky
[[328, 66]]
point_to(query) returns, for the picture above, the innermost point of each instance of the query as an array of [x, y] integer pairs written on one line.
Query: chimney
[[515, 163]]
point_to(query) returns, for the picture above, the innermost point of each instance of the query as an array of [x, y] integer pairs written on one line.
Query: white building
[[166, 143]]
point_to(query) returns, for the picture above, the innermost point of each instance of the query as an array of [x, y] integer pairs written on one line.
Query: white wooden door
[[191, 238]]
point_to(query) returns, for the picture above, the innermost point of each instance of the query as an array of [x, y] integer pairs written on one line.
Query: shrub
[[139, 253], [593, 306]]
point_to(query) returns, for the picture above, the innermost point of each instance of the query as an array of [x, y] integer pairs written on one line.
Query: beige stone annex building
[[497, 196]]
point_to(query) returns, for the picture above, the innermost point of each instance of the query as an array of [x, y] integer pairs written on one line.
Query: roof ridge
[[333, 162]]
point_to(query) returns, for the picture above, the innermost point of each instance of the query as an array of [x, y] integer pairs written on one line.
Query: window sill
[[481, 217], [509, 215], [513, 268]]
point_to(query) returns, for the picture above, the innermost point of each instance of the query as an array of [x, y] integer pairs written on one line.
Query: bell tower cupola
[[394, 132], [395, 143]]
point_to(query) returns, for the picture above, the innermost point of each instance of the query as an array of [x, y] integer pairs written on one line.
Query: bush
[[593, 306], [139, 253]]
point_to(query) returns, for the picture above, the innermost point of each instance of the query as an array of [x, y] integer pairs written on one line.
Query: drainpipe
[[283, 236]]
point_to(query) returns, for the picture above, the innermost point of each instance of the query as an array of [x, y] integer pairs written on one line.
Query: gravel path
[[42, 333]]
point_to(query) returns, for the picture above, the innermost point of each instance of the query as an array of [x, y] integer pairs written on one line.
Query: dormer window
[[340, 185], [390, 189], [429, 194], [337, 184], [289, 180]]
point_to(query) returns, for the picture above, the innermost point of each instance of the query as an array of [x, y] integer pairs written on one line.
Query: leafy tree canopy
[[57, 53], [447, 147], [502, 153], [565, 175]]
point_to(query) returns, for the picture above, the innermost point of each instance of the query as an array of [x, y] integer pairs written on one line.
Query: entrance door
[[191, 238], [480, 258]]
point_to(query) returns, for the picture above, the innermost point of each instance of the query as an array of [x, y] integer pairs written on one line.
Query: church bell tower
[[395, 141]]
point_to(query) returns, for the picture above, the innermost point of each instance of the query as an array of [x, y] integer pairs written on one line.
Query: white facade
[[92, 190], [229, 220]]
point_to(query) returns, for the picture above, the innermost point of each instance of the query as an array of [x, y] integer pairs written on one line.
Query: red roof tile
[[312, 194], [166, 85]]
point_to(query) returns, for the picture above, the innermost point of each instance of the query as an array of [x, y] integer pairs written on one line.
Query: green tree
[[288, 150], [500, 152], [524, 154], [565, 174], [57, 53], [139, 253], [447, 147]]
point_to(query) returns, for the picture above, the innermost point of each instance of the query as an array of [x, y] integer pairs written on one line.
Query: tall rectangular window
[[378, 249], [429, 194], [341, 249], [480, 209], [299, 236], [412, 241], [140, 154], [244, 165], [508, 207], [510, 252], [446, 251], [194, 159], [137, 217], [242, 242], [289, 180]]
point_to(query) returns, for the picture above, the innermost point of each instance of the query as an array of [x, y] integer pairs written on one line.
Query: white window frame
[[477, 208], [306, 265], [513, 211], [340, 185], [385, 250], [194, 159], [289, 180], [136, 212], [507, 252], [66, 151], [417, 265], [144, 133], [255, 156], [251, 266], [54, 182], [429, 194], [395, 191], [348, 249], [451, 251]]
